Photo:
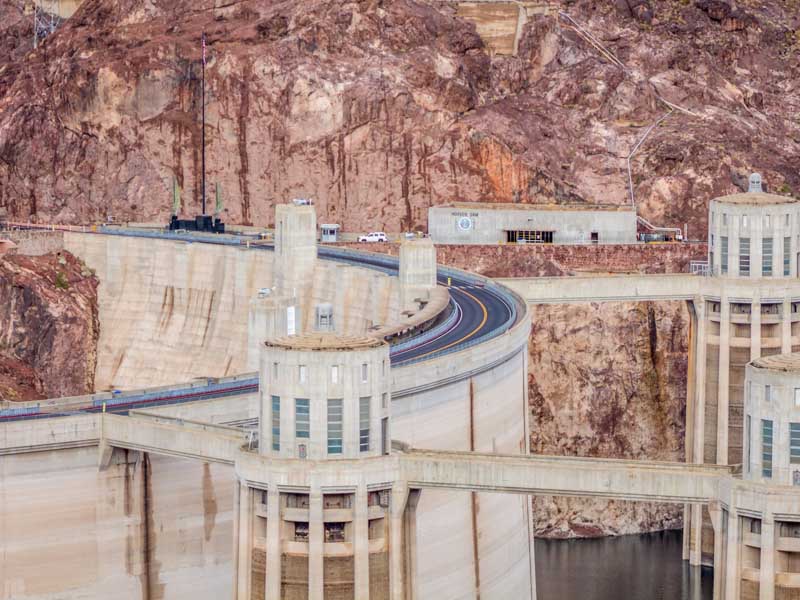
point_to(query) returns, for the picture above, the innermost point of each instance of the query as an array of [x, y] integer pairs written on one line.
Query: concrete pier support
[[245, 542], [361, 542], [766, 588], [273, 560], [316, 546], [731, 576], [396, 553], [698, 434], [723, 409]]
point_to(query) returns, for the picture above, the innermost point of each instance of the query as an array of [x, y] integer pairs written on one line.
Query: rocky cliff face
[[380, 109], [48, 327], [608, 380]]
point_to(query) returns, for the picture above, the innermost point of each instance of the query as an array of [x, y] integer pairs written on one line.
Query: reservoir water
[[629, 567]]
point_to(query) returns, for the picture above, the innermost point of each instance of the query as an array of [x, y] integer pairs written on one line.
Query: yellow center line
[[470, 334]]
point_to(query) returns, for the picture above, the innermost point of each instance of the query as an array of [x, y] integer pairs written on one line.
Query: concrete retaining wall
[[34, 243]]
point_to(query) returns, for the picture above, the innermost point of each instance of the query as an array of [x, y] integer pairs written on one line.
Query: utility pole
[[203, 132]]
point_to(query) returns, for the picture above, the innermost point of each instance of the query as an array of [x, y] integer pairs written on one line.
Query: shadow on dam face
[[630, 567]]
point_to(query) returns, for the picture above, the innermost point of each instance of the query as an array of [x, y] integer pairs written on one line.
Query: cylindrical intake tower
[[324, 396], [772, 420], [753, 234]]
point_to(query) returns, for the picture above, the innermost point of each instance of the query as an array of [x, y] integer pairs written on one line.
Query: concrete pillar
[[786, 326], [695, 552], [719, 519], [417, 271], [272, 588], [295, 255], [732, 560], [236, 519], [766, 588], [410, 543], [396, 567], [755, 329], [245, 541], [316, 545], [361, 542], [722, 389]]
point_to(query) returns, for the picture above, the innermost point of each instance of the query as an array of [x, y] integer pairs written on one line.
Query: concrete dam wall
[[153, 527], [188, 304]]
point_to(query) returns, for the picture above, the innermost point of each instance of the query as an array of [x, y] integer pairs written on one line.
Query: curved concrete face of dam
[[153, 527]]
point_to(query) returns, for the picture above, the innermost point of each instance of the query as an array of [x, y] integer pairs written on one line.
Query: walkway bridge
[[468, 471]]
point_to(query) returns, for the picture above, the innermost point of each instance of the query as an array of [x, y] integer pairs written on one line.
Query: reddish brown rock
[[48, 327], [380, 109]]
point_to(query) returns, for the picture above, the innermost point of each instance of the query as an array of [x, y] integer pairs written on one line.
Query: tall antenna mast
[[203, 132]]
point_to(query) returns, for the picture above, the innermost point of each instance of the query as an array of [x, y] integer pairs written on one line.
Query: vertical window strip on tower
[[724, 254], [744, 256], [766, 257], [301, 418], [363, 424], [335, 426], [276, 423], [787, 255], [794, 443], [766, 448]]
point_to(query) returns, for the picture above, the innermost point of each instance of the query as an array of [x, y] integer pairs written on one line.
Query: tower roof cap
[[328, 342], [779, 362]]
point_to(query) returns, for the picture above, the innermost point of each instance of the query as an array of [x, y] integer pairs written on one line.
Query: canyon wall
[[48, 326], [381, 109]]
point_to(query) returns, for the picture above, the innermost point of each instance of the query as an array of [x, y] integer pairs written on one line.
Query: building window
[[724, 251], [766, 257], [748, 426], [529, 237], [334, 532], [276, 423], [300, 532], [787, 255], [363, 423], [767, 221], [364, 372], [335, 426], [301, 418], [744, 257], [724, 219], [302, 373], [766, 448], [744, 221], [794, 443], [768, 393], [797, 396], [384, 400], [274, 371], [335, 374]]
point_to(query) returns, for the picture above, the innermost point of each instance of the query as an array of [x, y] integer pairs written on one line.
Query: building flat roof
[[536, 207], [327, 342], [779, 362], [755, 199]]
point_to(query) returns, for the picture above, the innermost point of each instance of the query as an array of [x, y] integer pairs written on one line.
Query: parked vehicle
[[374, 236]]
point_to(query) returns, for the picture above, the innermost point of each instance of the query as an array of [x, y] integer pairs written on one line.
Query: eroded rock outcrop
[[48, 327], [380, 109]]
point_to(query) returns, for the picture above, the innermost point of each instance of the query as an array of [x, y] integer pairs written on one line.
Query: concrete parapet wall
[[34, 243]]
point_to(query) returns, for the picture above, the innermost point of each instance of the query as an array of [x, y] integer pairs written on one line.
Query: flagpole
[[203, 131]]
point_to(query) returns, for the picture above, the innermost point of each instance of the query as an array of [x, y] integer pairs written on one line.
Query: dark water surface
[[630, 567]]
